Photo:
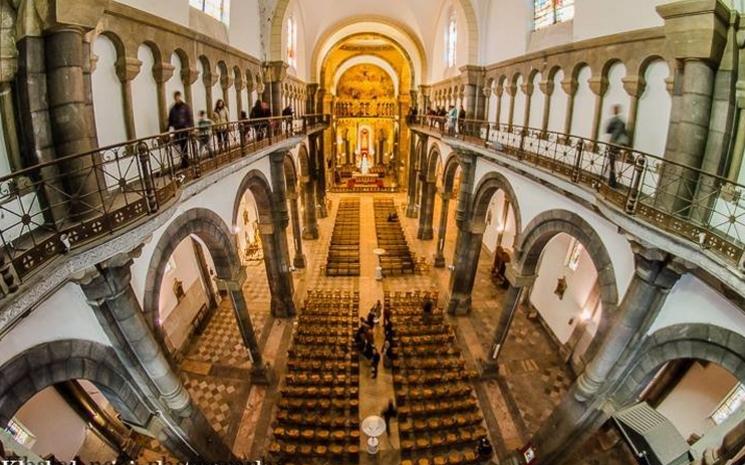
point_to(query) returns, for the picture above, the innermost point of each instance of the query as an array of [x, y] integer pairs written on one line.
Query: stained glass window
[[734, 400], [218, 9], [451, 39], [291, 42], [548, 12]]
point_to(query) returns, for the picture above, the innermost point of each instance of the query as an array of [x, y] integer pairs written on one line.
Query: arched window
[[218, 9], [291, 42], [548, 12], [451, 38]]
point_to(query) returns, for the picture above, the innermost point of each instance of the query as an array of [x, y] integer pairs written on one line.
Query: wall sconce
[[451, 267], [586, 315]]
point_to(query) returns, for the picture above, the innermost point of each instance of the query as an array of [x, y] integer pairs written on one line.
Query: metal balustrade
[[700, 207], [51, 208]]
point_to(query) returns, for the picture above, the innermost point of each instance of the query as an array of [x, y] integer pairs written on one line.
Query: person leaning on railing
[[221, 116]]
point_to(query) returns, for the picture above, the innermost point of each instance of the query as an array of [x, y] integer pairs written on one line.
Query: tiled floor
[[533, 378]]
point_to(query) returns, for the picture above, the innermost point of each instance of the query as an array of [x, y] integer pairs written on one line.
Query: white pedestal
[[379, 273], [372, 446]]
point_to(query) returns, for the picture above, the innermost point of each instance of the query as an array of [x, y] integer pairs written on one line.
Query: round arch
[[487, 187], [430, 167], [544, 227], [256, 183], [214, 234], [449, 172], [398, 34], [47, 364], [367, 59], [689, 340]]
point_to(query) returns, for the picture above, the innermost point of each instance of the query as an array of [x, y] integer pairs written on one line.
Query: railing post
[[305, 125], [521, 152], [487, 134], [578, 161], [151, 197], [194, 157], [632, 197]]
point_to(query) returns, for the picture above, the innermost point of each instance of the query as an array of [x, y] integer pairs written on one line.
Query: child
[[204, 126]]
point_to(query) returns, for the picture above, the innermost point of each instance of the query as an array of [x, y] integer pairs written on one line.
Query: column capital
[[696, 29], [516, 278], [569, 86], [239, 82], [107, 280], [527, 88], [274, 71], [598, 85], [226, 81], [486, 91], [445, 195], [234, 283], [127, 68], [266, 228], [425, 90], [189, 76], [657, 266], [472, 75], [210, 79], [511, 89], [162, 72], [277, 157], [634, 85], [547, 87]]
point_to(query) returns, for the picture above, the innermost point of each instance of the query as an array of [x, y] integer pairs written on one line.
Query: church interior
[[415, 232]]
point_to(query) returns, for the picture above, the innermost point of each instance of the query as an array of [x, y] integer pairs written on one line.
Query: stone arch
[[291, 177], [213, 232], [50, 363], [699, 341], [647, 61], [545, 227], [155, 50], [186, 63], [487, 187], [121, 49], [256, 183], [449, 171]]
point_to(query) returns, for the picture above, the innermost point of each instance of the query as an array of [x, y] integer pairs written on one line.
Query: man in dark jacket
[[179, 118]]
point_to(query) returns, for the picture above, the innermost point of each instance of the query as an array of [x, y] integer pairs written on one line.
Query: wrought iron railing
[[51, 208], [689, 203]]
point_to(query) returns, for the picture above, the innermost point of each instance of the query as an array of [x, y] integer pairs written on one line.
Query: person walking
[[388, 413], [427, 308], [221, 118], [619, 138], [181, 118]]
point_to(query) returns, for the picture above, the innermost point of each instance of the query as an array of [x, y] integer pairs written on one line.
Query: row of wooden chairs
[[440, 422], [344, 250], [318, 411], [398, 258]]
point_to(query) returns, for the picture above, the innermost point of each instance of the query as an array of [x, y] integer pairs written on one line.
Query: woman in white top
[[221, 118]]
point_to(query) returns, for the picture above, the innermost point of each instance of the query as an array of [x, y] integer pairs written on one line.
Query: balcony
[[50, 209], [702, 209]]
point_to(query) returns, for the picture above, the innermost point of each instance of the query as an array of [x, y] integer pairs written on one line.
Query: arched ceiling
[[366, 59], [412, 23]]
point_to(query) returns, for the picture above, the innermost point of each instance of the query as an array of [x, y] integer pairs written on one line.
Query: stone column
[[71, 118], [425, 92], [299, 260], [499, 91], [127, 69], [634, 86], [472, 78], [310, 101], [511, 91], [547, 88], [468, 243], [512, 300], [162, 72], [693, 97], [576, 417], [310, 219], [527, 88], [108, 291], [411, 206], [427, 209], [274, 74], [320, 156], [226, 82], [274, 240], [233, 287], [209, 80], [238, 85], [569, 85], [598, 86], [439, 261], [487, 92], [188, 78]]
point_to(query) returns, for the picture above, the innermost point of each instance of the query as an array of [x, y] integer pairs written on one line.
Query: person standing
[[452, 120], [618, 137], [204, 126], [181, 118], [374, 361], [221, 118], [461, 118]]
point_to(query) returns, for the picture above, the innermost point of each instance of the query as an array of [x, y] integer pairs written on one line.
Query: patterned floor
[[533, 379]]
